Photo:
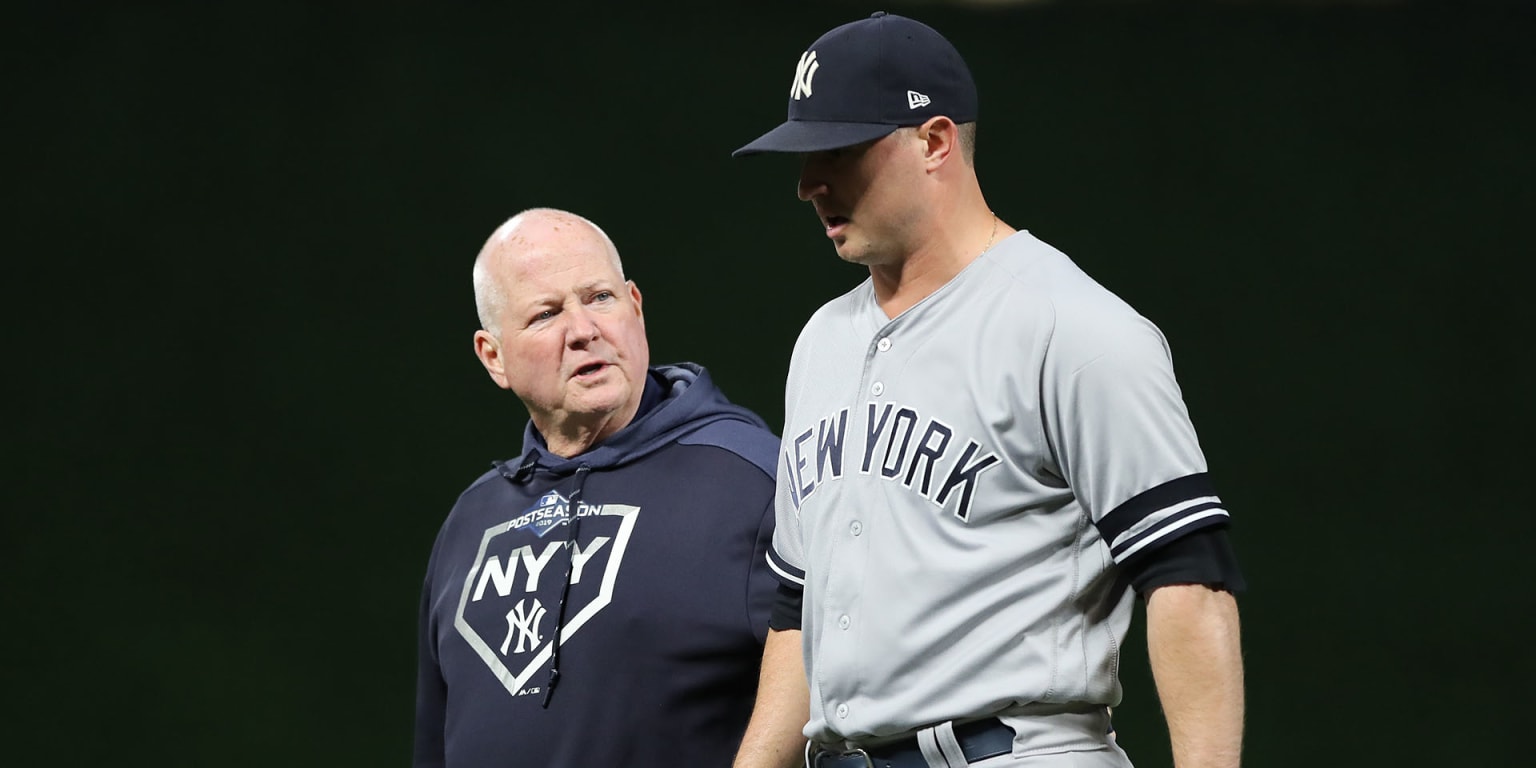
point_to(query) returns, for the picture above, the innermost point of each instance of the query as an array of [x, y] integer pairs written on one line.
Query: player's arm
[[1193, 645], [774, 737], [1128, 448]]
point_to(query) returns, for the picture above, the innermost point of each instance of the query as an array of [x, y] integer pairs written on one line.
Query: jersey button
[[843, 622], [842, 710], [876, 389], [884, 345], [855, 527]]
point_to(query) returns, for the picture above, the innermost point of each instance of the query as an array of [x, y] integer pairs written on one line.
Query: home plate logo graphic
[[507, 611]]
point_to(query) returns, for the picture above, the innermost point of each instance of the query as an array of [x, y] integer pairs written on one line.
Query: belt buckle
[[824, 752], [868, 763]]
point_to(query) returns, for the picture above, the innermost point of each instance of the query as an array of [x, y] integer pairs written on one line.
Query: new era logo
[[915, 100], [801, 87]]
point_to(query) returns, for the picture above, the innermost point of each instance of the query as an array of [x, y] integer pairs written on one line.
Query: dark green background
[[242, 395]]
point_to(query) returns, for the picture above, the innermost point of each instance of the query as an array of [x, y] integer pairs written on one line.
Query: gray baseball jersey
[[955, 486]]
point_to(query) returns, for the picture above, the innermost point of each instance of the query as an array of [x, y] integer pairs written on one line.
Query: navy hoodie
[[658, 585]]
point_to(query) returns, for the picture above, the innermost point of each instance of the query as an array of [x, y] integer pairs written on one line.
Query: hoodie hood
[[679, 399]]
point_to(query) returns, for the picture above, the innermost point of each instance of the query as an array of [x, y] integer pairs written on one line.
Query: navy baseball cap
[[867, 78]]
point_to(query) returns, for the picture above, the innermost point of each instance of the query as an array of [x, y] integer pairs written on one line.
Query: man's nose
[[580, 328], [812, 179]]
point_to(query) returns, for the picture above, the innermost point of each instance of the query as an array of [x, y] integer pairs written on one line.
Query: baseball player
[[986, 459]]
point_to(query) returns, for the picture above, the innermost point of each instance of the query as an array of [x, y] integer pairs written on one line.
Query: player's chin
[[853, 254]]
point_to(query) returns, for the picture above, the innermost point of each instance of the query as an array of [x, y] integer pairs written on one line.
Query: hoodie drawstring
[[524, 470], [572, 531]]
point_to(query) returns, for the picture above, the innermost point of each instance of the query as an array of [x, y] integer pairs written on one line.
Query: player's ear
[[634, 295], [488, 349], [940, 137]]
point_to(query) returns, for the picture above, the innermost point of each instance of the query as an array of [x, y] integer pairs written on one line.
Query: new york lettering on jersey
[[899, 444]]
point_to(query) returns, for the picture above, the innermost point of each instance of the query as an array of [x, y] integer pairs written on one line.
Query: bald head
[[562, 328], [529, 231]]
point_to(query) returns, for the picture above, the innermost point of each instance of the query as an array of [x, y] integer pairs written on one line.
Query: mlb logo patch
[[551, 511]]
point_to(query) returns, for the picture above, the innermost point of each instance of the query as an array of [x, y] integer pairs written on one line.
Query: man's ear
[[940, 137], [488, 349]]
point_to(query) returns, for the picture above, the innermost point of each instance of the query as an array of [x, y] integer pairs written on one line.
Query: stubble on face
[[863, 199]]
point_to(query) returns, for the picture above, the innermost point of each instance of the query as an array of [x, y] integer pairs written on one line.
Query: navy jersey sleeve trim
[[1203, 557], [1159, 515], [788, 574], [787, 606]]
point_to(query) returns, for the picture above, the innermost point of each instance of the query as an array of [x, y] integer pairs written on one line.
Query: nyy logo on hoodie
[[508, 602]]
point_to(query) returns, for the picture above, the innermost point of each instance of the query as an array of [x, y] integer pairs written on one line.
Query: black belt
[[979, 740]]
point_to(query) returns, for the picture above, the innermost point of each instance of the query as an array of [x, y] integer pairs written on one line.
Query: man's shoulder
[[752, 443], [1057, 284], [488, 491], [844, 305], [480, 483], [1033, 265]]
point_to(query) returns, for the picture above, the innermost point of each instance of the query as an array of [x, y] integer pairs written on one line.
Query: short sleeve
[[1121, 435]]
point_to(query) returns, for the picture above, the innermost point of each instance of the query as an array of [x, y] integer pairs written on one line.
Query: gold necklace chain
[[992, 236]]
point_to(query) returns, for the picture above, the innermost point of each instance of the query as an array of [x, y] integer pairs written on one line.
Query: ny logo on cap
[[915, 100], [801, 87]]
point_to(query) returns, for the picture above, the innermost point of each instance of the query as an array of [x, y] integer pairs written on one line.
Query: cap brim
[[814, 136]]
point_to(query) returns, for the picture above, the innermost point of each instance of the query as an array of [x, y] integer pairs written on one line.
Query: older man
[[603, 598]]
